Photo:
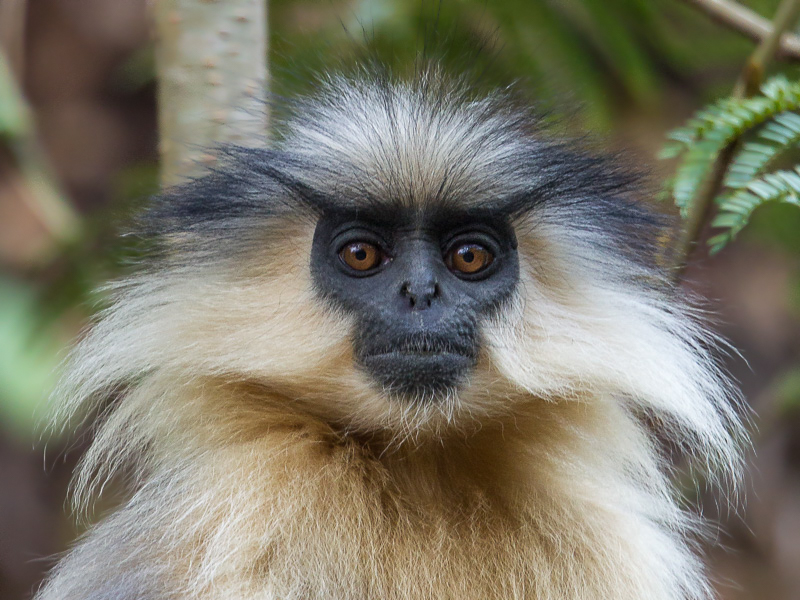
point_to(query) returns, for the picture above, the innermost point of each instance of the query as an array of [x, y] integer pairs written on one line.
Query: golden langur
[[417, 349]]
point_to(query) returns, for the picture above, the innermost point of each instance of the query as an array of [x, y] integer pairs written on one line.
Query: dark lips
[[422, 346], [419, 365]]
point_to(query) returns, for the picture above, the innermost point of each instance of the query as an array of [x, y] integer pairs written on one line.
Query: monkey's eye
[[361, 256], [468, 258]]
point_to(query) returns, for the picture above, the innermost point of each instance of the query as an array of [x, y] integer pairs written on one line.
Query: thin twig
[[17, 134], [740, 18], [12, 36], [747, 85]]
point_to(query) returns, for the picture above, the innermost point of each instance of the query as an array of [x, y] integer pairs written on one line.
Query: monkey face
[[408, 258], [417, 288]]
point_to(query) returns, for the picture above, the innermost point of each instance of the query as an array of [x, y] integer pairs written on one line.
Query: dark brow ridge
[[282, 167], [390, 210]]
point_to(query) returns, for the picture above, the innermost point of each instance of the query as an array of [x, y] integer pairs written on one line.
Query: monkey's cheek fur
[[418, 375]]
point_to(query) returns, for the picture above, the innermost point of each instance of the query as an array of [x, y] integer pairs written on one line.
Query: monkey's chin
[[419, 376]]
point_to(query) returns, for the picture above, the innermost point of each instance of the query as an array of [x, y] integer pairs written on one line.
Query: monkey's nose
[[420, 295]]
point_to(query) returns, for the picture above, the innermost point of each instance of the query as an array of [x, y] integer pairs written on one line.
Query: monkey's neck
[[546, 508], [462, 472], [546, 448]]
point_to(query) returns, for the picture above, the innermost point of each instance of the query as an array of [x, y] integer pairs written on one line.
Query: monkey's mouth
[[423, 346], [420, 366]]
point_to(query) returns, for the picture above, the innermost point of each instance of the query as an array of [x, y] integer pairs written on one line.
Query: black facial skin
[[416, 315]]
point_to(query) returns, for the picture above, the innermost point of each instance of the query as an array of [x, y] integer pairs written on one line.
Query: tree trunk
[[212, 73]]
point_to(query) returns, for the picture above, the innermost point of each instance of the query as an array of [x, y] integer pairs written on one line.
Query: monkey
[[419, 347]]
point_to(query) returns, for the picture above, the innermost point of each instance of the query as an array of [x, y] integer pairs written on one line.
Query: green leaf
[[670, 151], [778, 135], [737, 208]]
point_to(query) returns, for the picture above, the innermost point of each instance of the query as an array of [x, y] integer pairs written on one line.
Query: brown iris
[[469, 258], [361, 256]]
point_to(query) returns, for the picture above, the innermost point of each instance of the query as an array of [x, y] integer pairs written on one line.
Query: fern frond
[[778, 89], [779, 134], [735, 209], [714, 127]]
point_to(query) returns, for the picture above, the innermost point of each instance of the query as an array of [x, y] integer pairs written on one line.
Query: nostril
[[405, 290], [420, 297]]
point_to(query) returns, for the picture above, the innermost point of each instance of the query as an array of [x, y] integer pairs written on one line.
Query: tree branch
[[740, 18]]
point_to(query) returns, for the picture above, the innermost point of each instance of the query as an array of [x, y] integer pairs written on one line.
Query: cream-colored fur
[[264, 465]]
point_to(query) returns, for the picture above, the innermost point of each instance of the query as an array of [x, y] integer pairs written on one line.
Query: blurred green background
[[80, 154]]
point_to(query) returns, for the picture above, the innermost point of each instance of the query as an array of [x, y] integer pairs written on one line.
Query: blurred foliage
[[28, 357], [776, 225], [788, 393], [32, 315], [603, 54], [101, 253], [14, 117]]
